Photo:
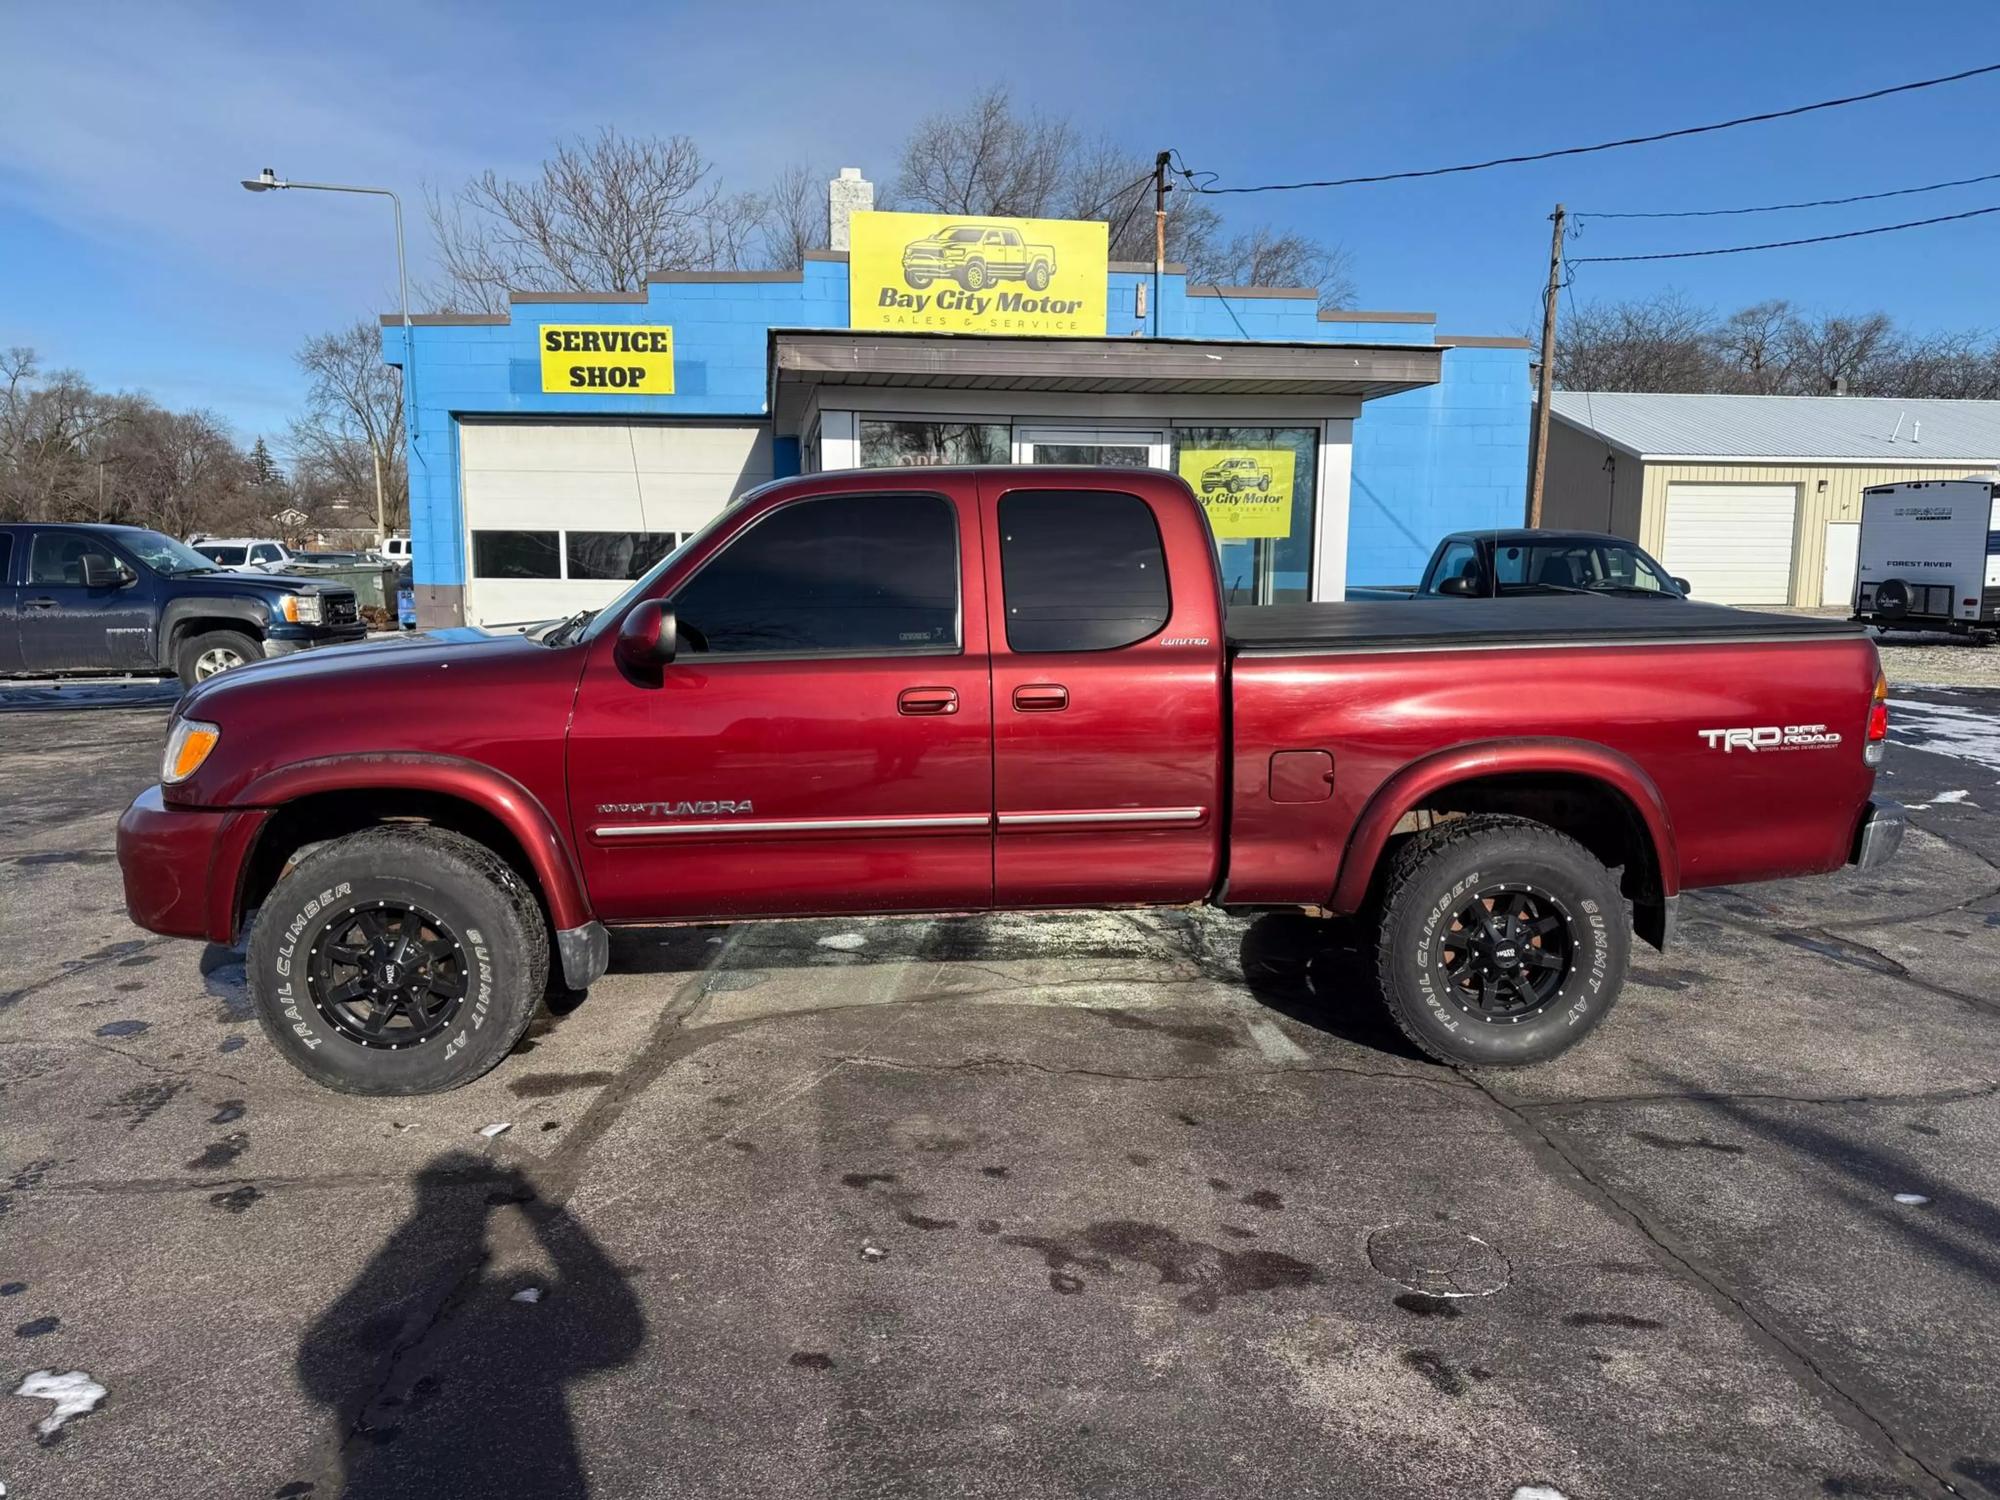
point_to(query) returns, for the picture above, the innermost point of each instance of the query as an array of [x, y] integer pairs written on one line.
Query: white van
[[1930, 556], [395, 549]]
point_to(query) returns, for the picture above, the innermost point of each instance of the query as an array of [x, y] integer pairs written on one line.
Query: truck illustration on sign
[[976, 256], [1235, 475]]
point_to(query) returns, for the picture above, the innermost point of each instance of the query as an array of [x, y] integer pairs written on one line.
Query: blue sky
[[128, 251]]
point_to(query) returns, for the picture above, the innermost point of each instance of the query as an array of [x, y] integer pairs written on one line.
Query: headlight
[[188, 744], [302, 609]]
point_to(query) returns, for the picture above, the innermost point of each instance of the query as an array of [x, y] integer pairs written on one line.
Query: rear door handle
[[927, 700], [1041, 698], [43, 603]]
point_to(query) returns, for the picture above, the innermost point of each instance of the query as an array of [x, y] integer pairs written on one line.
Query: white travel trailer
[[1930, 556]]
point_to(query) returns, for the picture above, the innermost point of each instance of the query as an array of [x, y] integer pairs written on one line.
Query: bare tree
[[597, 216], [352, 421], [1661, 343], [795, 218], [1266, 257], [1666, 343], [985, 159]]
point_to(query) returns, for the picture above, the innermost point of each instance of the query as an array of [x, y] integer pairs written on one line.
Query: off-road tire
[[1038, 277], [197, 646], [916, 281], [477, 896], [1434, 875]]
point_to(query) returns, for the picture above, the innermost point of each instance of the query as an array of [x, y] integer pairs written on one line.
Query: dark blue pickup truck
[[86, 598]]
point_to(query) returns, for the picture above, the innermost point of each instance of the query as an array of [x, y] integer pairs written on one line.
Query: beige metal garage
[[1752, 499]]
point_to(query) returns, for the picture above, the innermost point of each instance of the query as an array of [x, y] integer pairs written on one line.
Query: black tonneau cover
[[1531, 620]]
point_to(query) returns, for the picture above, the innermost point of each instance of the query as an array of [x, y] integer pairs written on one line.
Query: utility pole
[[1160, 191], [1538, 460]]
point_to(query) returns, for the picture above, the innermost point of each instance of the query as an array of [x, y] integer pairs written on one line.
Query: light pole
[[269, 181]]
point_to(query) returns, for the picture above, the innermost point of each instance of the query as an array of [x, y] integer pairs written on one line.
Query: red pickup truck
[[962, 690]]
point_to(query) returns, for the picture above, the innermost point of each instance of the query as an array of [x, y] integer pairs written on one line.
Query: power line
[[1635, 140], [1771, 208], [1137, 199], [1099, 208], [1818, 239]]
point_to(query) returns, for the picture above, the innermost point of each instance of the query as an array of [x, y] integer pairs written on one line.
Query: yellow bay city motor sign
[[592, 358], [961, 273], [1247, 492]]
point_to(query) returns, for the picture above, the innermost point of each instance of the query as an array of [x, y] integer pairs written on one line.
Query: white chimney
[[848, 194]]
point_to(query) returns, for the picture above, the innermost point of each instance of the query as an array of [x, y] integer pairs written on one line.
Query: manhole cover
[[1437, 1260]]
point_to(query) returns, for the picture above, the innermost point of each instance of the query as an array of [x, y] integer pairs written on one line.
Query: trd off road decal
[[1770, 737], [955, 273]]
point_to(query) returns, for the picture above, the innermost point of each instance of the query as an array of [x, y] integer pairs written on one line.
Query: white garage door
[[560, 516], [1733, 542]]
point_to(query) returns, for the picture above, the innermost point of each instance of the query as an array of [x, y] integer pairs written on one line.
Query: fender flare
[[1564, 757], [518, 810], [247, 611]]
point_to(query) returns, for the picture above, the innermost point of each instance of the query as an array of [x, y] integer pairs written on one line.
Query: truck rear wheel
[[398, 961], [1502, 942]]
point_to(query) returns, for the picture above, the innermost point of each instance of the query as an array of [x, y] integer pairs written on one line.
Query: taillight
[[1878, 722]]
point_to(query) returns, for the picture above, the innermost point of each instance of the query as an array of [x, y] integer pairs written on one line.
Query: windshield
[[228, 557], [163, 554], [641, 587]]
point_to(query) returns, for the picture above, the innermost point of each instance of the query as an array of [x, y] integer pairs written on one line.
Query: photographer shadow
[[438, 1380]]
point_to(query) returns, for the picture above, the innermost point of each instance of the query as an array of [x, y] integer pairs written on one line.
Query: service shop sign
[[590, 359], [960, 273], [1247, 492]]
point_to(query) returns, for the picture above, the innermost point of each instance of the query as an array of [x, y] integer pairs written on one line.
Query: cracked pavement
[[1100, 1204]]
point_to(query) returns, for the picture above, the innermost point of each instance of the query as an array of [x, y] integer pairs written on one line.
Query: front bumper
[[181, 865], [1879, 836], [283, 642]]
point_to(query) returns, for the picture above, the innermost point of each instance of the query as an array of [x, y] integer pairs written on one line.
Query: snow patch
[[527, 1294], [846, 942], [1947, 729], [1537, 1492], [498, 1127], [1912, 1200], [74, 1394]]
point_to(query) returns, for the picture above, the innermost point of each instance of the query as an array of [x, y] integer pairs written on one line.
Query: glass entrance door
[[1114, 447]]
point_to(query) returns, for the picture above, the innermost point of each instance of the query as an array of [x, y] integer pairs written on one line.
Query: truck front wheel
[[1502, 941], [200, 657], [402, 960]]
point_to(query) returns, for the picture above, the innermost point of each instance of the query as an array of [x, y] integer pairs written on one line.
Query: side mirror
[[647, 637], [1684, 586], [1459, 587], [100, 572]]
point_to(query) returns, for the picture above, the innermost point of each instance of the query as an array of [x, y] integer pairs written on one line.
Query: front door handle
[[927, 700], [1041, 698]]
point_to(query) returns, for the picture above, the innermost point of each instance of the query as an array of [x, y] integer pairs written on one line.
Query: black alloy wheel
[[388, 974], [1506, 953]]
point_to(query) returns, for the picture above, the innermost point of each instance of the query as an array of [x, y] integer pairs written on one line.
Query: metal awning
[[806, 360]]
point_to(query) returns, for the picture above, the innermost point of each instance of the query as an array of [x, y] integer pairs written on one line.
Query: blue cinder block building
[[560, 448]]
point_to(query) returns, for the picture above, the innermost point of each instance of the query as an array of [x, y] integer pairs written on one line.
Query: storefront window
[[1257, 485], [901, 445]]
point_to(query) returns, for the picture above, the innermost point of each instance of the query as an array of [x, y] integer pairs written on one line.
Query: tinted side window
[[847, 573], [6, 558], [1460, 560], [56, 558], [1083, 570]]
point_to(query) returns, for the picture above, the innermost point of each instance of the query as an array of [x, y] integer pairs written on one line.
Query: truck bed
[[1418, 624]]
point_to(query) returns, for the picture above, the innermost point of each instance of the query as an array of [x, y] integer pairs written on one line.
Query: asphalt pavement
[[1112, 1204]]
